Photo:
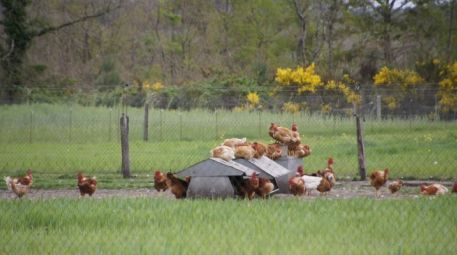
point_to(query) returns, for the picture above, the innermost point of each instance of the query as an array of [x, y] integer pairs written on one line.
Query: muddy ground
[[342, 190]]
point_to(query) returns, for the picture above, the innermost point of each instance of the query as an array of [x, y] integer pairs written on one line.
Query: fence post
[[109, 124], [69, 124], [161, 124], [260, 124], [31, 126], [360, 148], [146, 122], [217, 131], [180, 126], [124, 126], [378, 107]]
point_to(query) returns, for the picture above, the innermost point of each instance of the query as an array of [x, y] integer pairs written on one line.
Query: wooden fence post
[[146, 122], [124, 126], [360, 148]]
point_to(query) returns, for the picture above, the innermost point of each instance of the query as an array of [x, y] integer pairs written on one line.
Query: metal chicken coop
[[289, 162], [214, 178]]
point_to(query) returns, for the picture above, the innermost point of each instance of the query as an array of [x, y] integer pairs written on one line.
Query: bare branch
[[82, 19], [9, 52], [298, 10]]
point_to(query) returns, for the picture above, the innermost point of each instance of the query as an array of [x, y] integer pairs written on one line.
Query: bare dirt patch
[[342, 190]]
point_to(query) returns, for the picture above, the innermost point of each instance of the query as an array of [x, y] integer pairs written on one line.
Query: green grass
[[59, 140], [275, 226]]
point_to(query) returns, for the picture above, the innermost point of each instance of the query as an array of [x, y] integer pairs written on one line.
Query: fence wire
[[58, 140]]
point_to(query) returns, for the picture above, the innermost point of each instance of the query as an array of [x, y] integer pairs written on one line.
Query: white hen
[[311, 182]]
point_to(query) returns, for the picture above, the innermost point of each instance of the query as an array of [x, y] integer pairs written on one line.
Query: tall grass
[[62, 139], [276, 226]]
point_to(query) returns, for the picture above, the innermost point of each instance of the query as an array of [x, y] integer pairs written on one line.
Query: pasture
[[276, 226], [126, 217], [56, 141]]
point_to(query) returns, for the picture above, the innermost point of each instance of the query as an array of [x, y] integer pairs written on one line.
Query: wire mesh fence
[[59, 140]]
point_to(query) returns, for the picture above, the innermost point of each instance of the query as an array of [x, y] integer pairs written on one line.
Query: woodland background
[[182, 54]]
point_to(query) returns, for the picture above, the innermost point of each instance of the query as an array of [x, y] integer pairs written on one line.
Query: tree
[[19, 34]]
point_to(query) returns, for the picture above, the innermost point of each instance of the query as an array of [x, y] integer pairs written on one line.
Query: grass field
[[275, 226], [58, 140]]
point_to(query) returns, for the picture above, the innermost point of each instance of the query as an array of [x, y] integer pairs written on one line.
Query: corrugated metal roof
[[271, 167], [216, 167]]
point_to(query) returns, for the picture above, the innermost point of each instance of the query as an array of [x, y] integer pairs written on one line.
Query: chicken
[[300, 171], [454, 187], [249, 186], [328, 178], [323, 183], [433, 189], [300, 151], [297, 186], [177, 186], [20, 185], [260, 149], [379, 179], [272, 129], [274, 151], [324, 186], [244, 151], [281, 134], [265, 187], [311, 182], [395, 186], [27, 179], [292, 146], [86, 185], [234, 142], [17, 188], [160, 181], [224, 152]]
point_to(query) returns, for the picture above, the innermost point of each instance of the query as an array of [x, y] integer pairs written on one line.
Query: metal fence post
[[378, 107]]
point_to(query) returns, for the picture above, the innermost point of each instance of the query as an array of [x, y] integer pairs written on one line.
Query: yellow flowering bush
[[448, 89], [391, 77], [156, 86], [305, 78], [291, 107], [253, 98]]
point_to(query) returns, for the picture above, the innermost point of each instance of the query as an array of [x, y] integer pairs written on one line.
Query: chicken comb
[[330, 161]]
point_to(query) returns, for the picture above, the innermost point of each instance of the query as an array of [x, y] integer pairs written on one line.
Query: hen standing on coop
[[160, 181], [379, 179], [86, 185], [224, 152], [20, 185], [273, 151], [281, 134]]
